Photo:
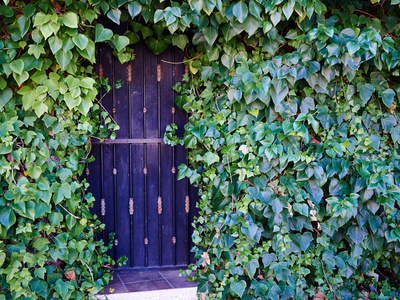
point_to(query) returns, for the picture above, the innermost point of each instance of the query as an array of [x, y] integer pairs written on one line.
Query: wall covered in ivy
[[293, 142]]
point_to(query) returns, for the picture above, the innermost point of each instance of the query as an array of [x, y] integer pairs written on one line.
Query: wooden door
[[134, 176]]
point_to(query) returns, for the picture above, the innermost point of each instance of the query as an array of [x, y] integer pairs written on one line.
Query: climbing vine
[[293, 135]]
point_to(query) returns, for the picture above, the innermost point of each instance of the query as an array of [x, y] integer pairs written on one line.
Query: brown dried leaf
[[206, 260], [70, 275]]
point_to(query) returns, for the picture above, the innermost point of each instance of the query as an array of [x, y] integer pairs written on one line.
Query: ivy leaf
[[5, 96], [17, 66], [180, 40], [356, 234], [63, 58], [102, 34], [158, 15], [156, 46], [134, 8], [114, 15], [227, 61], [40, 108], [288, 9], [20, 79], [251, 267], [365, 90], [307, 104], [210, 34], [81, 41], [352, 47], [240, 11], [374, 242], [55, 218], [211, 158], [315, 192], [238, 287], [62, 288], [251, 24], [37, 285], [55, 44], [7, 217], [70, 20], [120, 42], [40, 243], [388, 97]]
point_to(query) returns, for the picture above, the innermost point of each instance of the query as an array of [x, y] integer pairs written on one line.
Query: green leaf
[[55, 44], [17, 66], [288, 9], [156, 46], [180, 40], [238, 287], [211, 158], [388, 97], [81, 41], [63, 58], [7, 217], [102, 34], [120, 42], [356, 234], [315, 192], [40, 108], [365, 90], [70, 20], [55, 218], [251, 267], [37, 285], [114, 15], [251, 24], [40, 243], [5, 96], [210, 34], [352, 47], [374, 242], [134, 8], [240, 11], [20, 79], [158, 15], [62, 288]]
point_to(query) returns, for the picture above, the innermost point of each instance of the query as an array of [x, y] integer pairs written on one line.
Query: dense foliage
[[48, 113], [293, 136], [294, 142]]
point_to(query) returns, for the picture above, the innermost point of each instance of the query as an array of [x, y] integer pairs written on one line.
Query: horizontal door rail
[[130, 141]]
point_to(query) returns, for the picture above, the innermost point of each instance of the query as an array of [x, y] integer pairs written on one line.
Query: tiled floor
[[146, 281]]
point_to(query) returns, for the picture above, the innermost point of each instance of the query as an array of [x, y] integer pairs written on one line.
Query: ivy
[[293, 142]]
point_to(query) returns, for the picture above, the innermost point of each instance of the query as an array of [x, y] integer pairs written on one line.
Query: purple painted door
[[134, 176]]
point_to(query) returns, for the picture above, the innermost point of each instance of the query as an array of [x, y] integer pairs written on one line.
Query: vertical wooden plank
[[121, 115], [182, 185], [151, 94], [152, 197], [166, 118], [137, 91], [137, 130], [181, 215], [138, 200], [152, 131], [108, 156], [108, 194]]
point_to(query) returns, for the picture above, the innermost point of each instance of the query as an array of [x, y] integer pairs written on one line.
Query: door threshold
[[177, 294]]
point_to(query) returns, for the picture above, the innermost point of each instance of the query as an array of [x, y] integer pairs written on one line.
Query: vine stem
[[181, 62], [326, 278], [69, 212], [91, 274]]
